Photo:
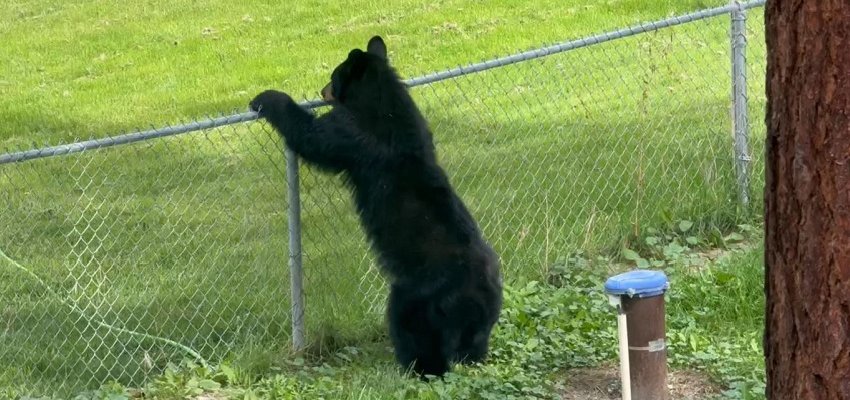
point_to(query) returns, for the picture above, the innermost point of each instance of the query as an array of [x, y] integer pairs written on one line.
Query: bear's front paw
[[269, 100]]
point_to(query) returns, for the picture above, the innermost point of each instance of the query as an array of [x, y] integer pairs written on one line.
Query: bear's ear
[[377, 47], [354, 53]]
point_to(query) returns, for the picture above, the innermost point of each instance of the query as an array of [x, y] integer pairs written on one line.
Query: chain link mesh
[[182, 238], [185, 237], [756, 70]]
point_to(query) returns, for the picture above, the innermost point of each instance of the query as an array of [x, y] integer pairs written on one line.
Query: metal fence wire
[[134, 251]]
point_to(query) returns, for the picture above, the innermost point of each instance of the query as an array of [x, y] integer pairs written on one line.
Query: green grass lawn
[[562, 323], [185, 237], [99, 68]]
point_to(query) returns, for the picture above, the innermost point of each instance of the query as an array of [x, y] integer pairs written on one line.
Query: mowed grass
[[75, 68], [186, 237], [705, 330], [550, 332]]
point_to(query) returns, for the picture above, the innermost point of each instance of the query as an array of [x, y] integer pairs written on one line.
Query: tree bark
[[807, 200]]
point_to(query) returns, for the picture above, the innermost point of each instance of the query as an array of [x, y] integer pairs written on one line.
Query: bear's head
[[361, 75]]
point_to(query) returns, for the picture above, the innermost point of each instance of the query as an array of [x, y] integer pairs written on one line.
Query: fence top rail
[[418, 81]]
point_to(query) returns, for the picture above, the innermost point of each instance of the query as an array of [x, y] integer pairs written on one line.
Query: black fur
[[446, 291]]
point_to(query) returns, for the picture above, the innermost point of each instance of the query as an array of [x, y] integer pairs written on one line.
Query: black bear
[[445, 285]]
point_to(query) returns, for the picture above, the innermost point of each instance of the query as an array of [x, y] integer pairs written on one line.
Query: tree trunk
[[807, 200]]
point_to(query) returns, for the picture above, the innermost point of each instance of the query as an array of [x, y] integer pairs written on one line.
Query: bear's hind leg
[[474, 345], [415, 340], [474, 321]]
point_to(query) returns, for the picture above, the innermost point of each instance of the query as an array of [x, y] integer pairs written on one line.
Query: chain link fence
[[130, 253]]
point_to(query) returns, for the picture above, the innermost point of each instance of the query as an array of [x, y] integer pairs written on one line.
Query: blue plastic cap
[[640, 283]]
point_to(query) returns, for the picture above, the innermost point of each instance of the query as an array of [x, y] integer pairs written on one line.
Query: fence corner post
[[740, 123], [295, 270]]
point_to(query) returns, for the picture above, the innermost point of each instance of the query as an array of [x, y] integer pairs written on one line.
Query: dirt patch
[[603, 383]]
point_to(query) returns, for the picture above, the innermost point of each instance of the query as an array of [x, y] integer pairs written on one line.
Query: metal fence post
[[295, 270], [740, 123]]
